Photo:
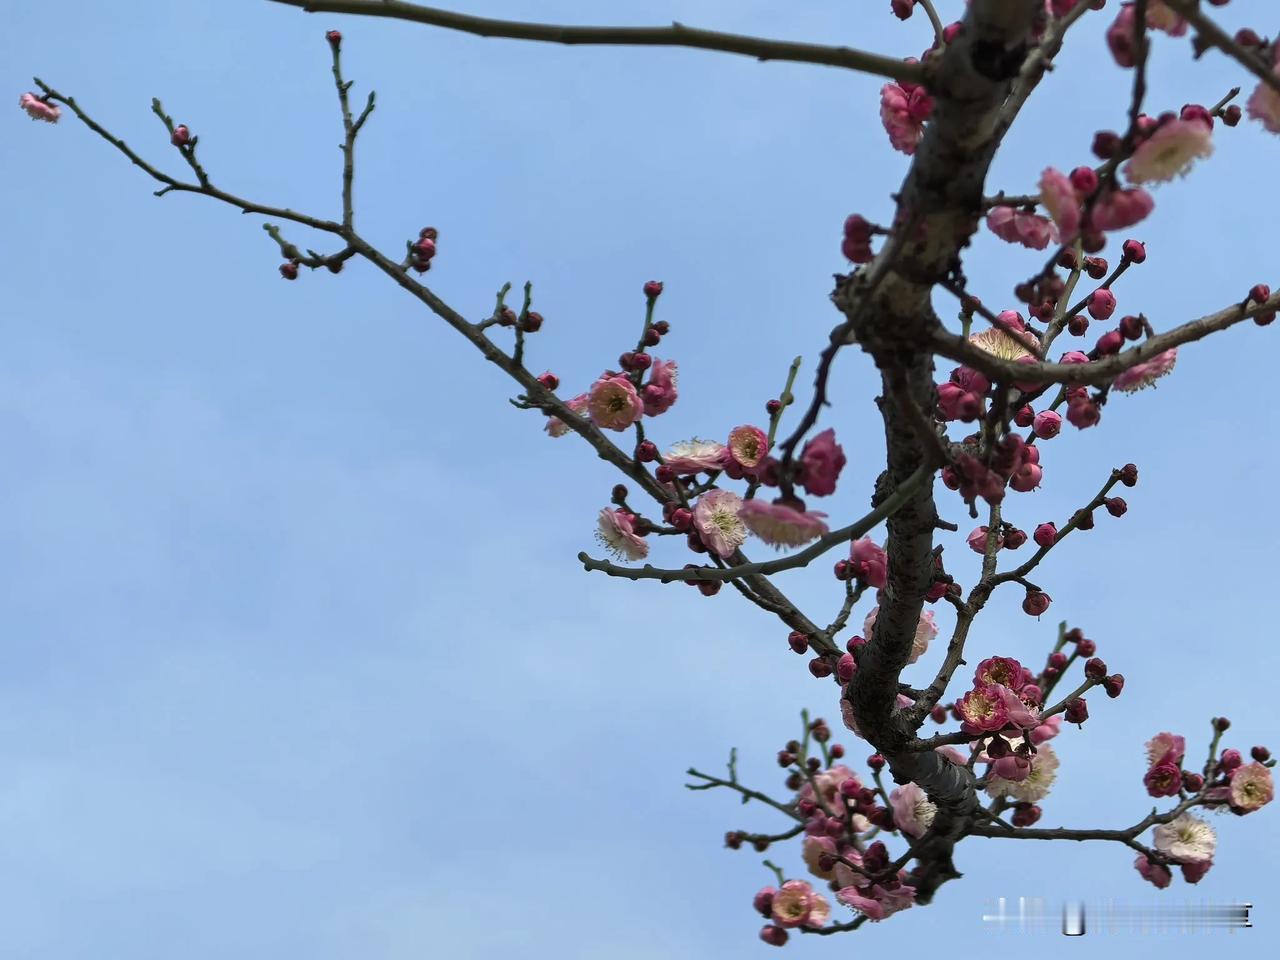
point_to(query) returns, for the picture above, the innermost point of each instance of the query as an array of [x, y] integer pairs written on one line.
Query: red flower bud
[[289, 270], [1035, 603], [1045, 535], [181, 135], [1077, 711], [1133, 251], [1114, 684], [652, 289], [334, 38], [1095, 669]]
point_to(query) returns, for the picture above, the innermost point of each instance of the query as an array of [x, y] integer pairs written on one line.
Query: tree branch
[[1209, 34]]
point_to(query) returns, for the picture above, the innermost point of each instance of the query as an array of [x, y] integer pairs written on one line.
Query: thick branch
[[676, 35]]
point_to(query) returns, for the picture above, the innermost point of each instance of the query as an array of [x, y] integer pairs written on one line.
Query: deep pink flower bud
[[977, 540], [1192, 782], [1105, 144], [842, 570], [709, 588], [857, 228], [1131, 327], [334, 38], [951, 31], [1194, 111], [876, 762], [1025, 416], [786, 758], [1086, 647], [854, 644], [1102, 304], [1096, 268], [1133, 251], [1116, 506], [1047, 424], [1057, 660], [1120, 37], [938, 714], [820, 667], [1259, 293], [763, 901], [1026, 478], [1110, 342], [854, 251], [1084, 180], [1248, 37], [652, 289], [181, 135], [1163, 780], [1157, 873], [1261, 754], [1035, 603], [1078, 325], [1025, 814], [1221, 724], [1077, 711], [533, 323], [1230, 760], [1231, 116], [289, 270], [664, 473], [774, 936], [902, 8], [845, 668], [1194, 872], [1114, 685], [1083, 413], [1045, 535], [1129, 475], [836, 751], [1014, 539], [1095, 669], [798, 641]]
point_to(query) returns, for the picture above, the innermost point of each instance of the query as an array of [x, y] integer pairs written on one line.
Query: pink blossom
[[1047, 730], [1251, 788], [617, 533], [716, 518], [613, 403], [822, 459], [1166, 746], [912, 810], [1145, 374], [1120, 36], [1264, 102], [877, 901], [780, 525], [1013, 767], [983, 710], [1156, 873], [660, 392], [1186, 838], [1016, 709], [977, 540], [38, 109], [1047, 424], [696, 456], [1194, 872], [1121, 209], [1058, 196], [748, 446], [1036, 786], [1163, 780], [1008, 341], [1170, 151], [814, 850], [1016, 226], [1002, 670], [903, 111], [1161, 17], [926, 630], [793, 904], [953, 755], [557, 427], [869, 562]]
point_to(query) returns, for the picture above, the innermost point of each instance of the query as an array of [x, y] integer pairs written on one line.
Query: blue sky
[[297, 658]]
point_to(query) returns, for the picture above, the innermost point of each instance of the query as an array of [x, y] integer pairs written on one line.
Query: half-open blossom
[[1194, 872], [37, 109], [618, 534], [1166, 746], [1047, 730], [1044, 770], [1020, 713], [1251, 788], [1156, 873], [817, 852], [557, 427], [982, 710], [716, 518], [869, 562], [1016, 226], [1264, 102], [912, 810], [613, 403], [926, 630], [1145, 374], [822, 459], [781, 525], [793, 904], [660, 392], [1121, 209], [1164, 779], [1187, 839], [1058, 196], [876, 901], [695, 456], [903, 110], [1170, 151], [748, 446], [1012, 767]]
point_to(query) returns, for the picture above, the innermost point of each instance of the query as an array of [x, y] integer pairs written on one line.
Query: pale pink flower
[[1264, 102], [926, 630], [828, 786], [696, 456], [1187, 839], [1058, 196], [845, 876], [1044, 770], [716, 518], [1016, 226], [912, 810], [1013, 767], [813, 850], [1170, 151], [822, 459], [748, 446], [1121, 209], [903, 111], [660, 392], [875, 901], [618, 534], [819, 911], [1161, 17], [1145, 374], [1251, 787], [1156, 873], [37, 109], [557, 427], [1166, 746], [780, 525], [613, 403], [1047, 730], [869, 562], [1002, 343], [1019, 712], [793, 903]]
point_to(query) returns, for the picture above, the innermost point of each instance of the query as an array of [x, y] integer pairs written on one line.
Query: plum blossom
[[1145, 374], [1002, 670], [660, 392], [1058, 196], [796, 904], [781, 525], [1251, 788], [1166, 746], [1164, 779], [716, 518], [1001, 343], [748, 446], [38, 109], [926, 630], [613, 403], [913, 812], [617, 533], [557, 427], [1016, 226], [1044, 769], [814, 849], [1161, 17], [1013, 767], [1121, 209], [1047, 730], [869, 562], [1264, 102], [1170, 151], [1187, 839], [878, 901], [822, 459], [982, 710], [903, 110], [696, 456], [1156, 873]]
